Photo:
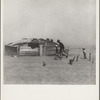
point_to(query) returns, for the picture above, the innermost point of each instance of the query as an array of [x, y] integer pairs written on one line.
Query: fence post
[[70, 61], [77, 58], [89, 56], [73, 59]]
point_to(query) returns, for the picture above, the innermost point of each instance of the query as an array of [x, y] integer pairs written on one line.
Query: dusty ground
[[29, 70]]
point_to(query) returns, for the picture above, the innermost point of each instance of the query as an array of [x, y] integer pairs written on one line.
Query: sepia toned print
[[49, 42]]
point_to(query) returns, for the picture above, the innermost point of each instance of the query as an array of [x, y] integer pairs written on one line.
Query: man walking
[[61, 45]]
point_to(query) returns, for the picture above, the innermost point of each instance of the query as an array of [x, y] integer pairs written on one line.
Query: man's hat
[[83, 48], [58, 40]]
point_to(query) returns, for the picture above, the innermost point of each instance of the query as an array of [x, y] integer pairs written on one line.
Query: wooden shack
[[31, 47]]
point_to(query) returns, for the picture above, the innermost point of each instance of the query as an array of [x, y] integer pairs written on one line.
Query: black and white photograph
[[49, 42]]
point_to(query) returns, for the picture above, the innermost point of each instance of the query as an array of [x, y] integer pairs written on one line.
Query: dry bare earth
[[30, 70]]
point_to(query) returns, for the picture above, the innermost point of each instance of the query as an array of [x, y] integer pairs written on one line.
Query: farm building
[[31, 47]]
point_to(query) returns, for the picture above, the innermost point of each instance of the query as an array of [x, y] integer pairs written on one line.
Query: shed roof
[[31, 40]]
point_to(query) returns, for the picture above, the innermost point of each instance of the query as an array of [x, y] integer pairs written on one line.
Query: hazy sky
[[71, 21]]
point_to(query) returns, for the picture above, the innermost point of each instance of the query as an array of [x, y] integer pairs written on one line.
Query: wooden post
[[77, 58], [44, 50], [89, 56], [18, 50], [73, 59], [70, 61], [41, 50], [44, 63]]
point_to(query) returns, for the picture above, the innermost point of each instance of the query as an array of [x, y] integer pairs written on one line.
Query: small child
[[56, 49], [84, 53], [57, 52]]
